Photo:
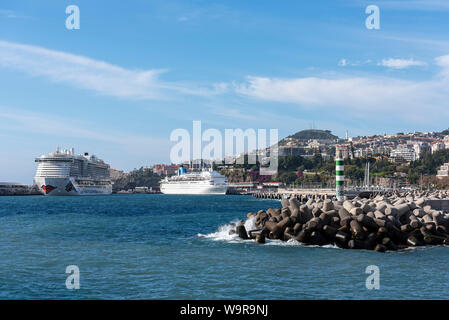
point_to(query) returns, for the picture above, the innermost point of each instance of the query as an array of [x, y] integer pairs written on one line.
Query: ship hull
[[175, 188], [69, 187]]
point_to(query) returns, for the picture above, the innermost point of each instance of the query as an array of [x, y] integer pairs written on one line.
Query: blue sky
[[137, 70]]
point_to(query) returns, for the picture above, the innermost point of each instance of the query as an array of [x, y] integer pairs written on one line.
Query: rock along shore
[[385, 222]]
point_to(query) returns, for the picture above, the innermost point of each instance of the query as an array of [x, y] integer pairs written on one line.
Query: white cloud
[[401, 63], [234, 114], [421, 5], [31, 122], [10, 14], [357, 63], [360, 97], [95, 75], [343, 63], [443, 62]]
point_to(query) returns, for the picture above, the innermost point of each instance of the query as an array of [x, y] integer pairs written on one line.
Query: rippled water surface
[[178, 247]]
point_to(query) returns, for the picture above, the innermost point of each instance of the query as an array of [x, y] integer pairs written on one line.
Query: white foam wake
[[224, 232]]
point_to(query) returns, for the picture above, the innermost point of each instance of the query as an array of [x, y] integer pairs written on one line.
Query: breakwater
[[383, 222], [17, 189], [319, 193]]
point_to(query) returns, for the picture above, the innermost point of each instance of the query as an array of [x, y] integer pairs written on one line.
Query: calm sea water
[[178, 247]]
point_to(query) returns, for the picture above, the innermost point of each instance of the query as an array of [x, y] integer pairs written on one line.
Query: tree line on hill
[[143, 177], [297, 170], [300, 170]]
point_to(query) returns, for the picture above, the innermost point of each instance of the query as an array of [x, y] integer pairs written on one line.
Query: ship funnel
[[72, 151], [181, 170]]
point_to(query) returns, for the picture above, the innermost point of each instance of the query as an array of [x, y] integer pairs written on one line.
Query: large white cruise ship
[[203, 182], [62, 173]]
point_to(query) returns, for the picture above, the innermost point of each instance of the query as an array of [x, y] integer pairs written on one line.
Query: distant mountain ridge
[[312, 134]]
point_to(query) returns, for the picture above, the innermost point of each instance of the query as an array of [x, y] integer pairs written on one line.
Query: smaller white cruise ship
[[62, 173], [203, 182]]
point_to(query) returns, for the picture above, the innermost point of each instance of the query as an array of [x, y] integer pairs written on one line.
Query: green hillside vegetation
[[318, 170], [428, 164], [142, 177], [314, 134]]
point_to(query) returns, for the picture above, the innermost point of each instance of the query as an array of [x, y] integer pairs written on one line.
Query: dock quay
[[318, 193], [17, 189]]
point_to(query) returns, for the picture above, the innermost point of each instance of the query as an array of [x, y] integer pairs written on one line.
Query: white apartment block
[[437, 146], [402, 154], [444, 171]]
